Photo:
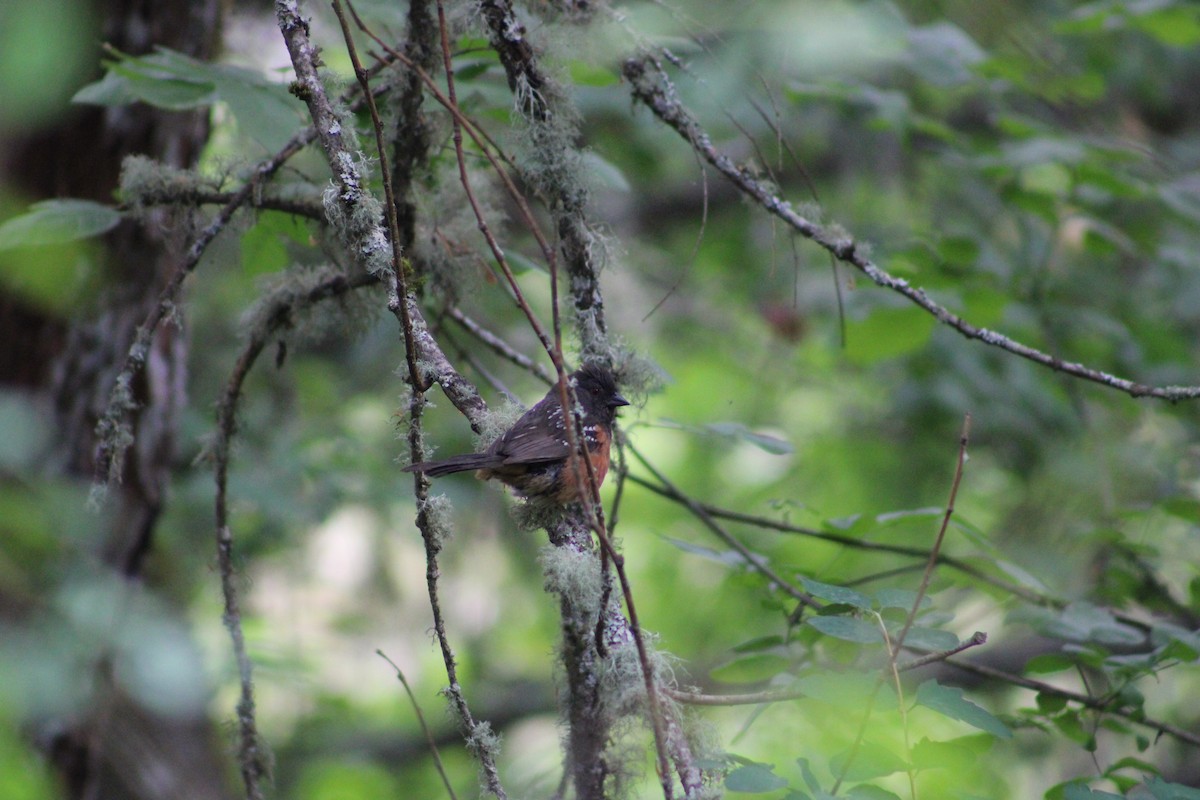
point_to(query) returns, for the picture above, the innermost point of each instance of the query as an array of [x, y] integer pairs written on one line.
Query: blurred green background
[[1033, 165]]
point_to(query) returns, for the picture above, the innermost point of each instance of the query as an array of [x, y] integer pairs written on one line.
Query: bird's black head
[[596, 388]]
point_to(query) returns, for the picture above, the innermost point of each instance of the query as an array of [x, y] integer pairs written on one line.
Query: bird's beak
[[617, 401]]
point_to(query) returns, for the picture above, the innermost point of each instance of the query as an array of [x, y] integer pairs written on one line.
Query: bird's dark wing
[[531, 445]]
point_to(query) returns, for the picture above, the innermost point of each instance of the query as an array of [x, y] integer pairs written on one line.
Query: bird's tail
[[447, 466]]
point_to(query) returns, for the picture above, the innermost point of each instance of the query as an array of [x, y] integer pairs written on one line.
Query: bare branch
[[1108, 705], [250, 756], [652, 87], [978, 638], [927, 576], [498, 345], [433, 750], [755, 562]]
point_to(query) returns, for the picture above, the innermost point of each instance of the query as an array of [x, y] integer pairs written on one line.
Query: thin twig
[[498, 345], [748, 699], [978, 638], [755, 562], [402, 302], [894, 645], [1107, 705], [927, 576], [849, 541], [398, 301], [194, 197], [534, 92], [111, 447], [251, 759], [590, 492], [433, 750]]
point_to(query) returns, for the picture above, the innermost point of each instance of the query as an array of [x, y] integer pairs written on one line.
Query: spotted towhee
[[534, 457]]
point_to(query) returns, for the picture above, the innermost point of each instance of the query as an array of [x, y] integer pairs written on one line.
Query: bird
[[534, 457]]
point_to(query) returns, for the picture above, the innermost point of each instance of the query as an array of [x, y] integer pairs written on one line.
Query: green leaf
[[606, 173], [1079, 791], [1021, 576], [867, 791], [165, 91], [950, 702], [984, 305], [850, 629], [585, 74], [1185, 508], [1129, 762], [520, 263], [960, 251], [954, 754], [111, 90], [930, 639], [1050, 703], [902, 599], [1071, 726], [857, 524], [473, 70], [944, 54], [1171, 791], [835, 594], [887, 333], [848, 691], [1182, 643], [1177, 24], [264, 109], [759, 643], [750, 669], [737, 431], [1084, 622], [264, 245], [1048, 663], [56, 222], [810, 780], [870, 760], [754, 779]]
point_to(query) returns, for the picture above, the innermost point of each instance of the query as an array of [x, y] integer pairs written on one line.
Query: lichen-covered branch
[[553, 167], [357, 217], [278, 313]]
